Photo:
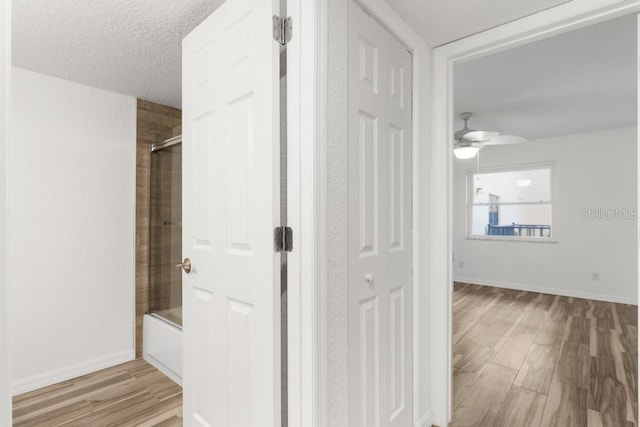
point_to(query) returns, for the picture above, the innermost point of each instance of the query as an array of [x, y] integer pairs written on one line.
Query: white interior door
[[231, 205], [380, 280]]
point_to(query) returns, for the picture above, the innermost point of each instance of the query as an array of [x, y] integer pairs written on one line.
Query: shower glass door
[[165, 234]]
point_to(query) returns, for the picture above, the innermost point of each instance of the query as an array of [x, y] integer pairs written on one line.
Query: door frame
[[557, 20], [306, 111]]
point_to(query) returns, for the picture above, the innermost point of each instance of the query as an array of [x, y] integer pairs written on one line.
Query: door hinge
[[282, 29], [282, 239]]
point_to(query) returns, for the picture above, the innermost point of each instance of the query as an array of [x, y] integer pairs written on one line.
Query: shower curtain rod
[[167, 143]]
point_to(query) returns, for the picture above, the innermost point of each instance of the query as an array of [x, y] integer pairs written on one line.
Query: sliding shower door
[[165, 234]]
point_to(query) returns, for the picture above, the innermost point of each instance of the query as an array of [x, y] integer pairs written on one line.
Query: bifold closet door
[[380, 279], [231, 203]]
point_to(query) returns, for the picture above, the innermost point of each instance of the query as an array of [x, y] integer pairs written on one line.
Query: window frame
[[469, 205]]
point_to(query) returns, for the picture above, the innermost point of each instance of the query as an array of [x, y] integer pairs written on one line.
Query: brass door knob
[[186, 265]]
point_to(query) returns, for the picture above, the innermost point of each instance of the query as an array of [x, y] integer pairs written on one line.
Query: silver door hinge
[[282, 239], [282, 29]]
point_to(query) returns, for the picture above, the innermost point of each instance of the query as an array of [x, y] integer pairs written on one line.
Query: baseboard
[[43, 380], [552, 291], [425, 420]]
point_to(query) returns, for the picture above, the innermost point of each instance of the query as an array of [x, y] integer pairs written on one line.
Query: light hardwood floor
[[131, 394], [528, 359]]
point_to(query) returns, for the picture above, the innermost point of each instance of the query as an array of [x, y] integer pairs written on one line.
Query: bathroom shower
[[162, 326], [165, 231]]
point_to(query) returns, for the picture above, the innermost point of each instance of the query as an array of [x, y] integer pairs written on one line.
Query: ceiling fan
[[467, 142]]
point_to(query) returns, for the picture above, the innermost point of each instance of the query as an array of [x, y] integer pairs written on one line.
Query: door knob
[[186, 265]]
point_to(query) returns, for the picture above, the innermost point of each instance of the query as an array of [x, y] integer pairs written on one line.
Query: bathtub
[[162, 346]]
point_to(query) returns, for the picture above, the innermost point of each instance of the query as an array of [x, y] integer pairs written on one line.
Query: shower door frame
[[153, 150]]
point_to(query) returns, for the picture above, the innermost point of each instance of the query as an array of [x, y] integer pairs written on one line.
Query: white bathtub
[[162, 346]]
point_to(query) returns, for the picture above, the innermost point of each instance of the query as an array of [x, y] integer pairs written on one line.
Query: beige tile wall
[[155, 123]]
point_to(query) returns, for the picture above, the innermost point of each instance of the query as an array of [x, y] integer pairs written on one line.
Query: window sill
[[513, 239]]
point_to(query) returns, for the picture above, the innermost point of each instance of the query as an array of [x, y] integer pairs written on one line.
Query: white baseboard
[[425, 420], [552, 291], [53, 377]]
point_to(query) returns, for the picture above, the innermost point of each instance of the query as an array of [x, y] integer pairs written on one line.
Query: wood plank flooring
[[132, 394], [529, 359], [519, 359]]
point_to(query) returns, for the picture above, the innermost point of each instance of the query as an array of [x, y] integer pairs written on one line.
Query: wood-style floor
[[520, 359], [131, 394], [528, 359]]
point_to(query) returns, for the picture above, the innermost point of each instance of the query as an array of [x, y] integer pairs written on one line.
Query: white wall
[[72, 211], [5, 67], [337, 217], [591, 171]]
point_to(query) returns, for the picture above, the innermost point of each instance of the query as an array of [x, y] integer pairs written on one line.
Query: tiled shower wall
[[155, 123]]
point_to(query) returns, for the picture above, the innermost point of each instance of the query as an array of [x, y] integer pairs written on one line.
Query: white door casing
[[231, 205], [380, 241]]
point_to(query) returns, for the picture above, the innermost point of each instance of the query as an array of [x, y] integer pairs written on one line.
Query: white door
[[380, 279], [231, 199]]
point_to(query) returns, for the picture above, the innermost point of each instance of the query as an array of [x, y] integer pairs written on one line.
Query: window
[[513, 203]]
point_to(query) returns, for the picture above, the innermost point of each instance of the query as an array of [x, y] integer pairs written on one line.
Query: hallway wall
[[337, 217], [72, 219]]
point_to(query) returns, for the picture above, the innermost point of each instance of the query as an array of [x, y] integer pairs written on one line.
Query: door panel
[[231, 202], [380, 329]]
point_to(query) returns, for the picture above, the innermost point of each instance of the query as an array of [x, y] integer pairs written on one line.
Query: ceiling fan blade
[[480, 135], [505, 140]]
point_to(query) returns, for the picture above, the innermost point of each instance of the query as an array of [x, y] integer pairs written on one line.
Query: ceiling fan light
[[467, 152]]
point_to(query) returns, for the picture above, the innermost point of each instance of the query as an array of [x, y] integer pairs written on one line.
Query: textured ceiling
[[125, 46], [134, 46], [443, 21], [576, 82]]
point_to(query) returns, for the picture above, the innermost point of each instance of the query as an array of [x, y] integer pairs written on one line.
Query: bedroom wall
[[72, 217], [595, 170]]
